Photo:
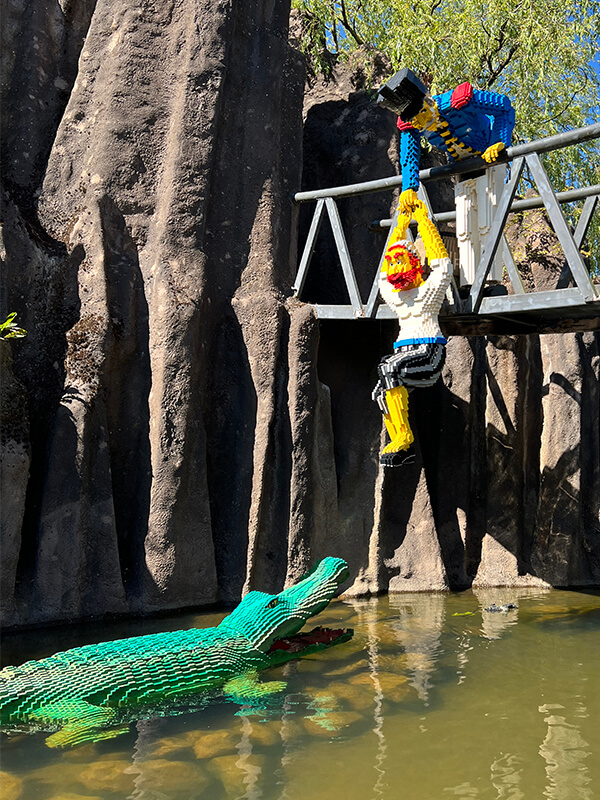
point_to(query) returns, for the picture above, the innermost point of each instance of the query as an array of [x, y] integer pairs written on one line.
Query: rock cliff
[[175, 429]]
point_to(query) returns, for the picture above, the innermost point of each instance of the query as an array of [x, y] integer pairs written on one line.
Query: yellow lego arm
[[434, 247]]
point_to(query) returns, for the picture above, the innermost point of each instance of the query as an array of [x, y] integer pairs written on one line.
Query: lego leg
[[396, 421], [489, 189], [467, 230], [390, 427]]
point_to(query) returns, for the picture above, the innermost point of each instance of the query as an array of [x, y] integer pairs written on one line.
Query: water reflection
[[373, 638], [418, 631], [463, 647], [564, 750], [506, 776], [251, 772], [465, 790]]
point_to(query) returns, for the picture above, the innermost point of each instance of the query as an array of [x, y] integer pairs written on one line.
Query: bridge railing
[[562, 297]]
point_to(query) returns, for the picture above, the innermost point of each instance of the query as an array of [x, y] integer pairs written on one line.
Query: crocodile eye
[[273, 602]]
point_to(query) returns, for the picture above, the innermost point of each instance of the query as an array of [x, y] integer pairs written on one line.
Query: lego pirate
[[464, 122], [419, 352]]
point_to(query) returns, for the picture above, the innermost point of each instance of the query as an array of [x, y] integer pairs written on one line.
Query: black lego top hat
[[403, 94]]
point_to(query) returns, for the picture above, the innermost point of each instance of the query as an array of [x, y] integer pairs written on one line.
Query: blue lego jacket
[[470, 120]]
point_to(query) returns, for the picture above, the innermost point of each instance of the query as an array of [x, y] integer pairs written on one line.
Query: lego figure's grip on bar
[[434, 246]]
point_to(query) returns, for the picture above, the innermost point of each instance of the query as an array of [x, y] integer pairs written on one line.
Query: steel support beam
[[580, 233], [342, 248], [495, 234], [533, 301], [559, 223], [511, 268], [309, 247]]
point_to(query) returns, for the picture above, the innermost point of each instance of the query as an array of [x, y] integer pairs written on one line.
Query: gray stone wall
[[175, 428]]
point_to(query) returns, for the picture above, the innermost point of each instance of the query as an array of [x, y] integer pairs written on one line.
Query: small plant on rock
[[10, 330]]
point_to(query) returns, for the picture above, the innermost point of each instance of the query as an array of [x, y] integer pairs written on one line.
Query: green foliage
[[10, 330], [538, 52]]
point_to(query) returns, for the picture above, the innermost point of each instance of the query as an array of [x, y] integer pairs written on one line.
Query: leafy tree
[[540, 53]]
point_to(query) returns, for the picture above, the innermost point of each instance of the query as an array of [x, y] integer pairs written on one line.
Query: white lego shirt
[[418, 309]]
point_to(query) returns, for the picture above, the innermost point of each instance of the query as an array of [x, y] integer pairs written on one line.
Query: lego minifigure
[[420, 352], [464, 122]]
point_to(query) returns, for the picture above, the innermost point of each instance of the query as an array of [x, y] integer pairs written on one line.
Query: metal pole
[[580, 233], [555, 142], [346, 262], [559, 223], [569, 196], [309, 247]]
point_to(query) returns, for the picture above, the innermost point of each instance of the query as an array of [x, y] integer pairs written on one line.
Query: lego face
[[427, 116], [399, 260], [404, 269]]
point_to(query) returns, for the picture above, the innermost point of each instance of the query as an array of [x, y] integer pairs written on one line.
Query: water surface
[[434, 698]]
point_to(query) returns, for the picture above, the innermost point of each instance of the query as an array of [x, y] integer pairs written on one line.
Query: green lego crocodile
[[93, 692]]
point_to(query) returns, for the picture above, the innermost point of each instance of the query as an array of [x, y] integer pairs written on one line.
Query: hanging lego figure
[[464, 122], [420, 352]]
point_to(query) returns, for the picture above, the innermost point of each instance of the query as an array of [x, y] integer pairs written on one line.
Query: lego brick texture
[[92, 686], [180, 430]]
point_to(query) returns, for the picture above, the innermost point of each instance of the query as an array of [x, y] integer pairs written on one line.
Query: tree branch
[[348, 25], [334, 26], [497, 43], [496, 72], [570, 102]]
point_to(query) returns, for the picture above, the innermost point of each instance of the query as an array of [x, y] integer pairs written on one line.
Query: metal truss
[[579, 302]]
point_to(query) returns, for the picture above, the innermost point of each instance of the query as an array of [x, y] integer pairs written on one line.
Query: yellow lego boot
[[391, 428], [397, 424]]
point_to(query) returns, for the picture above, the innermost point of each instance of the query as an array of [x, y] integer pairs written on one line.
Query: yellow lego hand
[[493, 151], [408, 201], [402, 223], [420, 211]]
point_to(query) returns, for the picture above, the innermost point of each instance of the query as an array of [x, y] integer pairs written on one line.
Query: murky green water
[[434, 698]]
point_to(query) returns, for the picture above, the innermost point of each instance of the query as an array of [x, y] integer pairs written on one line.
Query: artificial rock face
[[191, 432], [147, 256]]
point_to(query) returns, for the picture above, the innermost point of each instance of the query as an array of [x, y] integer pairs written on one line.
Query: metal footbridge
[[572, 305]]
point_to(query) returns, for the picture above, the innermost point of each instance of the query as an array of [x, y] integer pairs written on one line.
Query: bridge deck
[[537, 319]]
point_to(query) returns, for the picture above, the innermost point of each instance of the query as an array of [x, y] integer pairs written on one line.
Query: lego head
[[404, 270], [407, 96], [427, 116]]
